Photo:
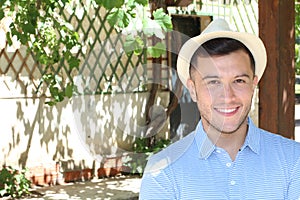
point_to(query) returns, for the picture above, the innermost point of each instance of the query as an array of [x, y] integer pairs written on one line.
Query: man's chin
[[228, 128]]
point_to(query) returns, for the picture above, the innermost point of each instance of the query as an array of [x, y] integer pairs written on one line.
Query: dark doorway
[[185, 117]]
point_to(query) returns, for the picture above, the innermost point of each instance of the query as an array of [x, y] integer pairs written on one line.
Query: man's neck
[[230, 142]]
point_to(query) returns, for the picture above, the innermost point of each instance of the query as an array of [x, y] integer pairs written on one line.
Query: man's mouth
[[227, 111]]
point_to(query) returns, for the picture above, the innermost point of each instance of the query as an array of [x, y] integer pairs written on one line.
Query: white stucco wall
[[75, 132]]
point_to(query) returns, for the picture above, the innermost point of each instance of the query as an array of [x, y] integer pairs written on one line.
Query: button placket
[[228, 164]]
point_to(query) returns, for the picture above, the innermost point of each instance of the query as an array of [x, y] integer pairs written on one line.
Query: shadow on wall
[[74, 140]]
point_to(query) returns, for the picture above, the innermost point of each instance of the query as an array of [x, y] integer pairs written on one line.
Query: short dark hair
[[219, 47]]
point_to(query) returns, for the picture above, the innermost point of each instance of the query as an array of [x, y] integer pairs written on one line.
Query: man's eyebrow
[[242, 75], [210, 77], [217, 77]]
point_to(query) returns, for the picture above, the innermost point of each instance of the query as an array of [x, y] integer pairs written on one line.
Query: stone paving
[[122, 187]]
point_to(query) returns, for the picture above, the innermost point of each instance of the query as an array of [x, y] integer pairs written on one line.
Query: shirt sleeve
[[156, 185], [294, 186]]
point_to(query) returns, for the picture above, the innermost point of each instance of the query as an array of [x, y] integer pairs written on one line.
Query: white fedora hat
[[219, 28]]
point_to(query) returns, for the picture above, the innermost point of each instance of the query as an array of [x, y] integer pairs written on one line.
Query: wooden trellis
[[104, 67]]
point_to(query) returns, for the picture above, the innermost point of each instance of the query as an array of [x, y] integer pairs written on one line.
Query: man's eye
[[213, 82], [240, 81]]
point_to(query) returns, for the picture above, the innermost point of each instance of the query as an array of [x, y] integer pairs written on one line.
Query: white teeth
[[226, 110]]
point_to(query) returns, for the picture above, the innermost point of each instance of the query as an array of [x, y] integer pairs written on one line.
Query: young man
[[227, 156]]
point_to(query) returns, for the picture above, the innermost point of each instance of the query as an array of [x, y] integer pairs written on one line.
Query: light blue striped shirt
[[266, 167]]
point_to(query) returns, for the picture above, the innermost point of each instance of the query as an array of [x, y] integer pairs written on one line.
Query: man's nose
[[228, 92]]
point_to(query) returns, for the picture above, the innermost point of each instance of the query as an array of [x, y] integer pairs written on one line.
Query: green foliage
[[157, 50], [297, 19], [142, 2], [120, 18], [109, 4], [57, 93], [134, 11], [37, 24], [13, 182], [143, 151], [134, 44], [53, 41], [163, 19], [141, 145], [297, 58]]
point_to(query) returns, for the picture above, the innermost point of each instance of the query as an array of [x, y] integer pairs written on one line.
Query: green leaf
[[22, 37], [69, 90], [73, 62], [55, 55], [113, 17], [33, 14], [135, 45], [157, 50], [125, 20], [8, 37], [50, 103], [56, 94], [163, 19], [75, 37], [43, 59], [28, 28], [110, 4], [142, 2], [1, 14], [119, 18], [54, 91]]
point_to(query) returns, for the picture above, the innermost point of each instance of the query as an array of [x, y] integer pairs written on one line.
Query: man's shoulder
[[170, 154], [278, 137], [279, 140]]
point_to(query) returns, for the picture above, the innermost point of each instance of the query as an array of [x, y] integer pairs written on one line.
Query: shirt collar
[[204, 144], [206, 147], [253, 138]]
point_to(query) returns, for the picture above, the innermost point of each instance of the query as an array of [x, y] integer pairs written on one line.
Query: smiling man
[[227, 156], [222, 84]]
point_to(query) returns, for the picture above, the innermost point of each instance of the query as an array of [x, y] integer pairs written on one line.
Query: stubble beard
[[213, 126]]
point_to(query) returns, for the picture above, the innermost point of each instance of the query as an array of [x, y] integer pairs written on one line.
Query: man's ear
[[255, 81], [191, 87]]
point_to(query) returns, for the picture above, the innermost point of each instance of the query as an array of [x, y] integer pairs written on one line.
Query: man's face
[[222, 87]]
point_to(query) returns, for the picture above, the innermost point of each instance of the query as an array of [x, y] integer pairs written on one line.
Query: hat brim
[[252, 42]]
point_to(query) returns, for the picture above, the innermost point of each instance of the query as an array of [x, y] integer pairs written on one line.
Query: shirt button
[[228, 164], [232, 182]]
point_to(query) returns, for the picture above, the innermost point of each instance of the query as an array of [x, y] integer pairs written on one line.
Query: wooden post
[[277, 86]]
